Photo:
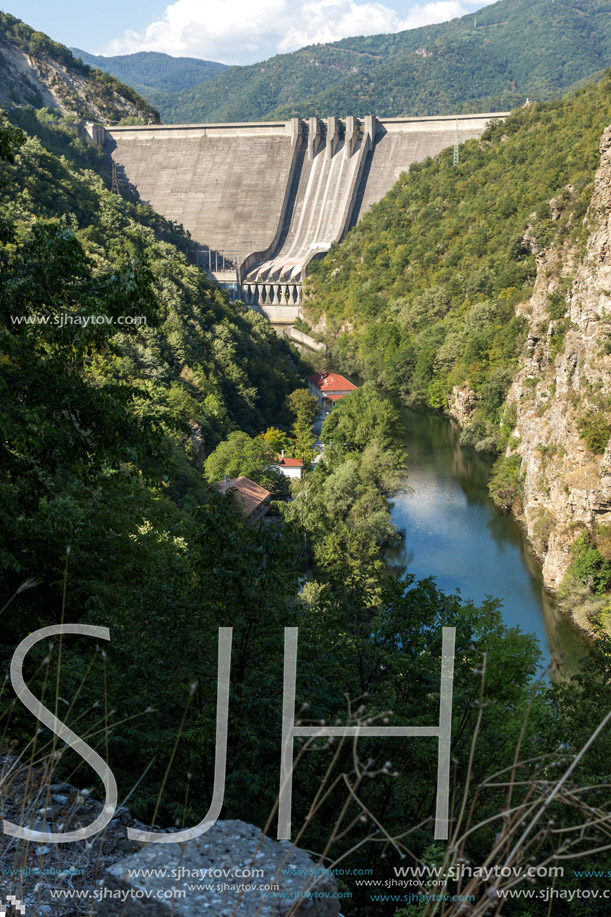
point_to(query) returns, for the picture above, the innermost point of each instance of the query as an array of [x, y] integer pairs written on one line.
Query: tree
[[304, 408], [241, 455], [276, 440], [11, 138]]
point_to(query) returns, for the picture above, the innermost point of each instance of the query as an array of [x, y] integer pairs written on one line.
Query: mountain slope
[[149, 71], [490, 60], [466, 290], [34, 70]]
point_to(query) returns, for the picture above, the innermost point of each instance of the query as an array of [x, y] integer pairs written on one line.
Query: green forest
[[420, 297], [151, 71], [113, 434]]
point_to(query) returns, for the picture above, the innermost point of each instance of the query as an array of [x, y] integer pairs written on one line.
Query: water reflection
[[454, 533]]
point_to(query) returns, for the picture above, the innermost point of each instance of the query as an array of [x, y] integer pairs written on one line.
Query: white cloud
[[243, 31]]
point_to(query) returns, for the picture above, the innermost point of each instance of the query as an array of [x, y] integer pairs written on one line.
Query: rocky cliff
[[561, 397], [34, 70]]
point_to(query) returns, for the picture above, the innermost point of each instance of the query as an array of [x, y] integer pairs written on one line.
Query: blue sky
[[232, 31]]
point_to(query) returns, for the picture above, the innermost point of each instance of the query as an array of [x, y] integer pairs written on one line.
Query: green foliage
[[276, 440], [559, 332], [11, 138], [556, 305], [490, 62], [595, 429], [362, 418], [506, 481], [304, 408], [341, 506], [241, 455], [429, 280], [589, 566], [86, 397]]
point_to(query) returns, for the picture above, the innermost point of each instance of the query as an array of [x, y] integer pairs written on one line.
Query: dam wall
[[400, 142], [261, 200], [226, 183], [328, 177]]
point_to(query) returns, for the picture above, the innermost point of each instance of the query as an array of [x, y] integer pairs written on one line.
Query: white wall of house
[[289, 471]]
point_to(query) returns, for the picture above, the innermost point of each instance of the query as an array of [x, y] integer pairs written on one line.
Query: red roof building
[[329, 388], [290, 467]]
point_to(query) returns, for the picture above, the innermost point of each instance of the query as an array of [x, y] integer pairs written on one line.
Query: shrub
[[556, 305], [589, 566], [506, 482], [595, 430]]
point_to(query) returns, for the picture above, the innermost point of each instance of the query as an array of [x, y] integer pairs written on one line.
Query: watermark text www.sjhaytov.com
[[76, 320]]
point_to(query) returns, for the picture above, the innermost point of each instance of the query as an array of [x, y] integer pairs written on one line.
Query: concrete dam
[[262, 200]]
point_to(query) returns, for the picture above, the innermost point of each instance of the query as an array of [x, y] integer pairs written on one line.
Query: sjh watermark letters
[[442, 732]]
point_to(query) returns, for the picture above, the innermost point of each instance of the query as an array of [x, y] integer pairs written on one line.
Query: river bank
[[453, 532]]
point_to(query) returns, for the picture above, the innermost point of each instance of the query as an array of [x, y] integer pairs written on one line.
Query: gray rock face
[[230, 870], [462, 404], [567, 488]]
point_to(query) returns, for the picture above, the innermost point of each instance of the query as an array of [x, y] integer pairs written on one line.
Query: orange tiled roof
[[290, 462], [249, 495], [331, 382]]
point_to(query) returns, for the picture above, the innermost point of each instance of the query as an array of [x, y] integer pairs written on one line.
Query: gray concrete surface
[[270, 196], [226, 184]]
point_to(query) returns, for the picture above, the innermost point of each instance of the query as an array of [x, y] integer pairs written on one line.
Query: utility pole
[[456, 153]]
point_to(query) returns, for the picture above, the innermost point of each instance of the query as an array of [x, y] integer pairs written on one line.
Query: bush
[[595, 430], [589, 566], [556, 305], [506, 482]]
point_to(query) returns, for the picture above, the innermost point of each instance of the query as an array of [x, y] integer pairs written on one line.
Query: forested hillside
[[150, 71], [421, 295], [488, 61], [37, 71], [431, 296], [183, 368]]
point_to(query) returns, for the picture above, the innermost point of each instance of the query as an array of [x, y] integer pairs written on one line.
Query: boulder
[[232, 869]]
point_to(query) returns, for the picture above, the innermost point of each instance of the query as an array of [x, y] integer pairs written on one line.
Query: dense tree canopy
[[421, 296]]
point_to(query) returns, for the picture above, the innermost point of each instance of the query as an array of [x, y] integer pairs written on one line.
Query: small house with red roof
[[329, 388], [289, 467], [252, 499]]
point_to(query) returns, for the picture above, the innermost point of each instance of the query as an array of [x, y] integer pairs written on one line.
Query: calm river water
[[454, 533]]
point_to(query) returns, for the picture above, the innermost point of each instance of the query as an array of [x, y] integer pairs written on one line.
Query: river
[[454, 533]]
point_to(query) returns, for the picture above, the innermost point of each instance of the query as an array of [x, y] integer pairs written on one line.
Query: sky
[[231, 31]]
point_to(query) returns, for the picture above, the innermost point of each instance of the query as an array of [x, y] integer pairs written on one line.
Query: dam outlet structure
[[262, 200]]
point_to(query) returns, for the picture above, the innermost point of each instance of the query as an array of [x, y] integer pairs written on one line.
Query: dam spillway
[[261, 200]]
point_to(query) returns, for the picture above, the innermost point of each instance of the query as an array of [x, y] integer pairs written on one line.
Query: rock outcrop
[[36, 71], [462, 404], [564, 376], [232, 869]]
